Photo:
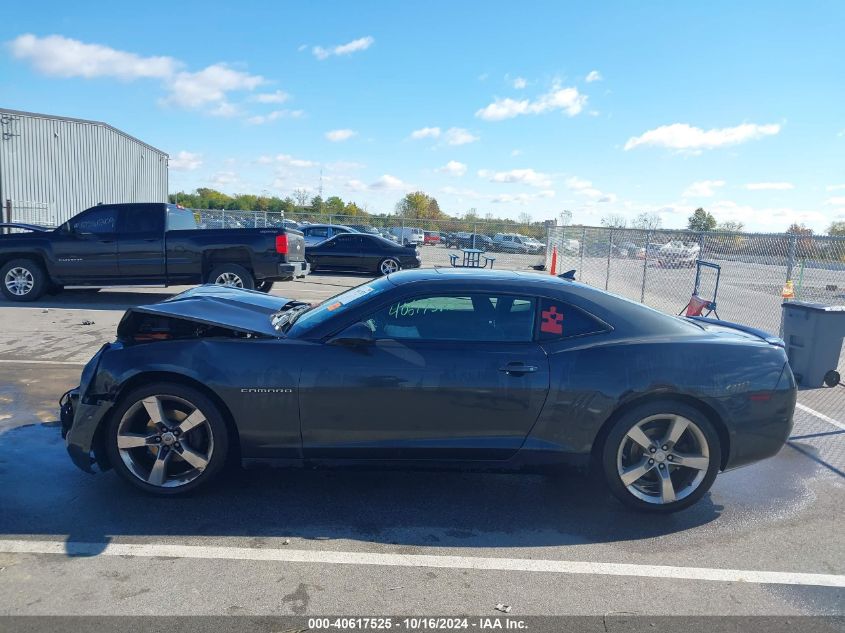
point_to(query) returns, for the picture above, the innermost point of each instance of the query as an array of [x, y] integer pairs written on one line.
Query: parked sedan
[[361, 252], [316, 233], [446, 367]]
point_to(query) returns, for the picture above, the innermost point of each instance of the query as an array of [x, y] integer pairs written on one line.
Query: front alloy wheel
[[167, 441], [662, 460], [19, 281]]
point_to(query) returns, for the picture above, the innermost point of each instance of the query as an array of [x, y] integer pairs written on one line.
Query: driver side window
[[470, 317], [98, 220]]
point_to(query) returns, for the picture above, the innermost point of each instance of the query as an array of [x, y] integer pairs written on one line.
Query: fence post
[[609, 252], [701, 241], [402, 238], [474, 231], [581, 264], [645, 265], [790, 260]]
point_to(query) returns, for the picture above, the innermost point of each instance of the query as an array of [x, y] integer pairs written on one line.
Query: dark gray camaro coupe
[[428, 368]]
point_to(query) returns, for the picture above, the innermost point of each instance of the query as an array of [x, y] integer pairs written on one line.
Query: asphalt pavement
[[767, 539]]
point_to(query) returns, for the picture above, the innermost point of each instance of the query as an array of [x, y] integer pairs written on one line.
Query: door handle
[[518, 369]]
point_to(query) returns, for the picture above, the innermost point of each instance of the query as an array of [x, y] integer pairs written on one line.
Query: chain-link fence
[[658, 268], [506, 245], [28, 212]]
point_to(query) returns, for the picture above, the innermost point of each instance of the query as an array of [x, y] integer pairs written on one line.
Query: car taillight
[[282, 244]]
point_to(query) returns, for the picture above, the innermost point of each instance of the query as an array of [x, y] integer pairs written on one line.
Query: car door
[[449, 376], [85, 247], [140, 243]]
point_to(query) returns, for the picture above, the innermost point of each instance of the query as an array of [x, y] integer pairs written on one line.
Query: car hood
[[234, 308]]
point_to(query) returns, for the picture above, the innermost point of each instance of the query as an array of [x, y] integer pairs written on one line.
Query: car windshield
[[333, 306]]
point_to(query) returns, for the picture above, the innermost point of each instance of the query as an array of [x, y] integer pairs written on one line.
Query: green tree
[[836, 229], [334, 205], [701, 220], [419, 205], [353, 209], [317, 204]]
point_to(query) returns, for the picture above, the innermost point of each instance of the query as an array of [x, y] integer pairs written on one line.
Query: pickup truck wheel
[[232, 275], [264, 286], [22, 280]]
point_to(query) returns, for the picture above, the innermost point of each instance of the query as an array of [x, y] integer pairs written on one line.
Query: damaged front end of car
[[207, 312]]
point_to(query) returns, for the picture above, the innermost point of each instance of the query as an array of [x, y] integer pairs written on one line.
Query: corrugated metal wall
[[70, 165]]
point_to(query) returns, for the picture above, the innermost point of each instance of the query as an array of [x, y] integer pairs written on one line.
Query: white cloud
[[837, 201], [290, 161], [280, 96], [516, 152], [518, 176], [567, 99], [388, 182], [355, 185], [834, 188], [185, 161], [703, 189], [586, 189], [361, 44], [453, 168], [592, 76], [519, 83], [224, 178], [509, 198], [769, 186], [260, 119], [426, 132], [336, 136], [459, 136], [209, 85], [64, 57], [684, 137], [207, 88]]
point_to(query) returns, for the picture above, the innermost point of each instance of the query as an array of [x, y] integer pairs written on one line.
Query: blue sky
[[509, 108]]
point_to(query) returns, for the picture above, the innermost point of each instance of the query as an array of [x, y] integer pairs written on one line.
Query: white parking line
[[419, 560], [820, 416], [17, 361]]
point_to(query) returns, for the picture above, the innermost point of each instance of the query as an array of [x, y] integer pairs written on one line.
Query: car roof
[[334, 226]]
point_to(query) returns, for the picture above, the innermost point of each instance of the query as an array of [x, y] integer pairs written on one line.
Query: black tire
[[264, 286], [616, 444], [216, 429], [240, 276], [23, 280]]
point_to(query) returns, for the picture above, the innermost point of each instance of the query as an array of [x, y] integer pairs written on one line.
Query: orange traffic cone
[[788, 290], [553, 268]]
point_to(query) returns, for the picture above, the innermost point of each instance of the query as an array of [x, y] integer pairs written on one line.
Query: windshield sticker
[[551, 321], [355, 293]]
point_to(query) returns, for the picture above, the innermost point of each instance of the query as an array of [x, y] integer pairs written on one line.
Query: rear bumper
[[293, 270]]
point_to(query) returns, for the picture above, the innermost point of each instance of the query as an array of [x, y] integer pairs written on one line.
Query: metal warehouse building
[[52, 167]]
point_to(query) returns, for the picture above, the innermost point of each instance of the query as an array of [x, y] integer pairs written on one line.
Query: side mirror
[[356, 335]]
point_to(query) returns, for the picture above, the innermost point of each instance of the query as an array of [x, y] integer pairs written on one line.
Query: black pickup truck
[[144, 244]]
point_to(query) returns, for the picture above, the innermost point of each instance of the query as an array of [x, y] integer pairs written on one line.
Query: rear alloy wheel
[[661, 457], [233, 276], [167, 439], [388, 266], [22, 280]]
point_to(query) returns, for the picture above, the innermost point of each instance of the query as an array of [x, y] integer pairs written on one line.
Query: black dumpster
[[813, 333]]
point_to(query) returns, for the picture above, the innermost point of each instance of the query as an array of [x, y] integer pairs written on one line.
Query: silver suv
[[515, 243]]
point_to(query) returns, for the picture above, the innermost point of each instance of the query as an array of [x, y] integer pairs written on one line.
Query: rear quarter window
[[560, 320]]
